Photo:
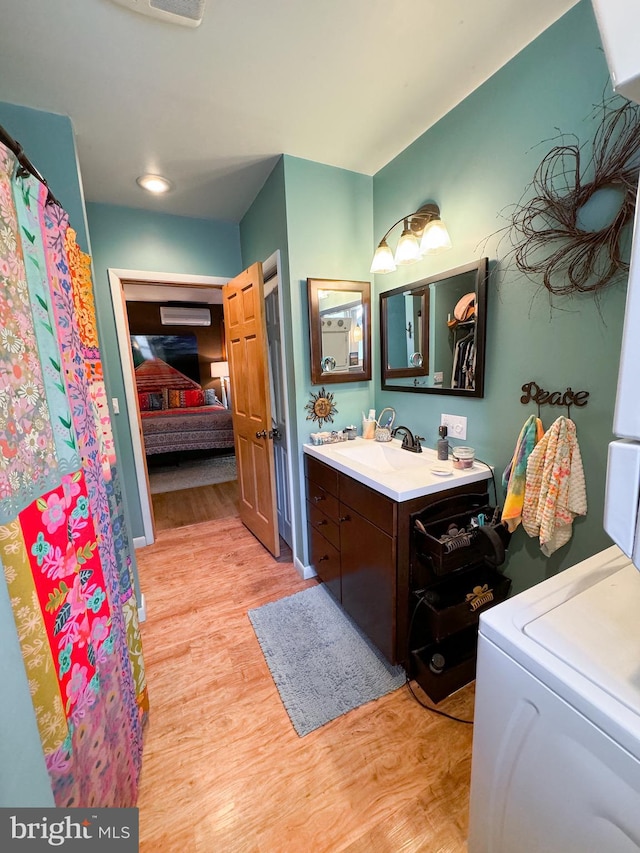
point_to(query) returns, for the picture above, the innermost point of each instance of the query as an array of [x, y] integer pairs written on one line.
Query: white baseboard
[[142, 609], [305, 572], [139, 542]]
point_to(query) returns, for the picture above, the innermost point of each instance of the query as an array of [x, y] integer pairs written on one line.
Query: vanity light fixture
[[154, 183], [357, 333], [423, 233]]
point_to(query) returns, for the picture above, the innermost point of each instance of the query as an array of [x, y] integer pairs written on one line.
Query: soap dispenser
[[443, 443]]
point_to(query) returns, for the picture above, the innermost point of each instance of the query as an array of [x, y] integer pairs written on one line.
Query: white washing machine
[[556, 747]]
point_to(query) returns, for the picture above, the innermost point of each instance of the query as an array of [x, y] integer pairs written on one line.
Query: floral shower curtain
[[64, 548]]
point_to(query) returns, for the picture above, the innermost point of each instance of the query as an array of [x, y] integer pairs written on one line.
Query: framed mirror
[[406, 319], [339, 330], [433, 333]]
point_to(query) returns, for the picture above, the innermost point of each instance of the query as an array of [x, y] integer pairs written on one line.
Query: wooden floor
[[191, 506], [223, 768]]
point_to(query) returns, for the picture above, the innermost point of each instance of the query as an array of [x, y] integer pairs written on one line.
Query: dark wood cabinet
[[368, 564], [359, 546]]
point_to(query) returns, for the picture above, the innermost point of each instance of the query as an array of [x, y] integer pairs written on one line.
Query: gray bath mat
[[322, 664]]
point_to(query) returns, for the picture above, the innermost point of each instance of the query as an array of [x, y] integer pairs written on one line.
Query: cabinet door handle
[[323, 521], [345, 518], [326, 557], [318, 498]]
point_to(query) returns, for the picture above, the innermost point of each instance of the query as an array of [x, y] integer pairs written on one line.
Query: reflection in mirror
[[339, 327], [433, 333], [406, 319]]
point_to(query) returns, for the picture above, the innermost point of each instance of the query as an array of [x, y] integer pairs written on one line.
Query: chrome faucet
[[409, 440]]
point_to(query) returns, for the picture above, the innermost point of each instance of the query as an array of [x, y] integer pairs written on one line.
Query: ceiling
[[349, 83]]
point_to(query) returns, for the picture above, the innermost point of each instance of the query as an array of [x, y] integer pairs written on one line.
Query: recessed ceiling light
[[154, 183]]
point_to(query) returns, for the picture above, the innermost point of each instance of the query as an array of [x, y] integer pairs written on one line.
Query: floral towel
[[515, 473], [555, 491]]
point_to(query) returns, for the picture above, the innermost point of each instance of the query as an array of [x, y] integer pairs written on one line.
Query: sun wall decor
[[321, 407]]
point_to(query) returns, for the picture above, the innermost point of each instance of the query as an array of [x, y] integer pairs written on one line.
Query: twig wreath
[[546, 231]]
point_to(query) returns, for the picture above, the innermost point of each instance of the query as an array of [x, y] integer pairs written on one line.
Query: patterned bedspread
[[201, 428]]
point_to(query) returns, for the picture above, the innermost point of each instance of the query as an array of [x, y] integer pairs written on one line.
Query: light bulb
[[154, 183], [435, 238], [383, 259], [408, 249]]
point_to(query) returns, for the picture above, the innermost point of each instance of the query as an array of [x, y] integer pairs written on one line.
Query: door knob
[[275, 434], [261, 434]]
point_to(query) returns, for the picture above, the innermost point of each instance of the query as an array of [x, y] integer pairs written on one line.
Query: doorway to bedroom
[[206, 496], [178, 351]]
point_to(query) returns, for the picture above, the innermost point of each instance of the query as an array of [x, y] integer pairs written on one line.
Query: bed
[[177, 414]]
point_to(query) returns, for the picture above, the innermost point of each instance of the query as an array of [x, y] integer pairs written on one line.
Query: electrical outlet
[[456, 425], [438, 377]]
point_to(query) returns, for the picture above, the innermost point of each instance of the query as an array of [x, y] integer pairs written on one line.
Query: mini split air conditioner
[[174, 316], [186, 12]]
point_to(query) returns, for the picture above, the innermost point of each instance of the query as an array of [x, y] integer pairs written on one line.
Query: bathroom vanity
[[362, 499]]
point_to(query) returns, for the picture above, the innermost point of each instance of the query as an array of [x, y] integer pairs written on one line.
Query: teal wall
[[48, 141], [263, 231], [475, 163], [320, 218], [329, 226], [124, 238]]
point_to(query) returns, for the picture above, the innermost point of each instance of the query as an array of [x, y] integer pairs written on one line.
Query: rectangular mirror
[[339, 330], [433, 331], [406, 319]]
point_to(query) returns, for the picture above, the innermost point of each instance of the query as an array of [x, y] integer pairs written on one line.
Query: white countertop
[[399, 474]]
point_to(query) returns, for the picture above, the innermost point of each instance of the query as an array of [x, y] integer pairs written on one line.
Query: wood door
[[246, 336], [279, 416]]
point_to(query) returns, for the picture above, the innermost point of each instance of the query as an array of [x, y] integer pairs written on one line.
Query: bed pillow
[[150, 402], [186, 399]]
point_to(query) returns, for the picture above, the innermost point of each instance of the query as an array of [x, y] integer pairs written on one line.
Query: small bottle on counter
[[442, 447]]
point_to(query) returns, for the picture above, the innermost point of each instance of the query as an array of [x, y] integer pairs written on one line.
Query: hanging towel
[[555, 490], [513, 479]]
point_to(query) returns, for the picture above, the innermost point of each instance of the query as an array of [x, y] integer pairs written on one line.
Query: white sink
[[381, 457], [399, 474]]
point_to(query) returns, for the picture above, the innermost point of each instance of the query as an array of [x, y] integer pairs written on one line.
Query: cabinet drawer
[[324, 525], [325, 559], [376, 508], [322, 475], [326, 502]]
